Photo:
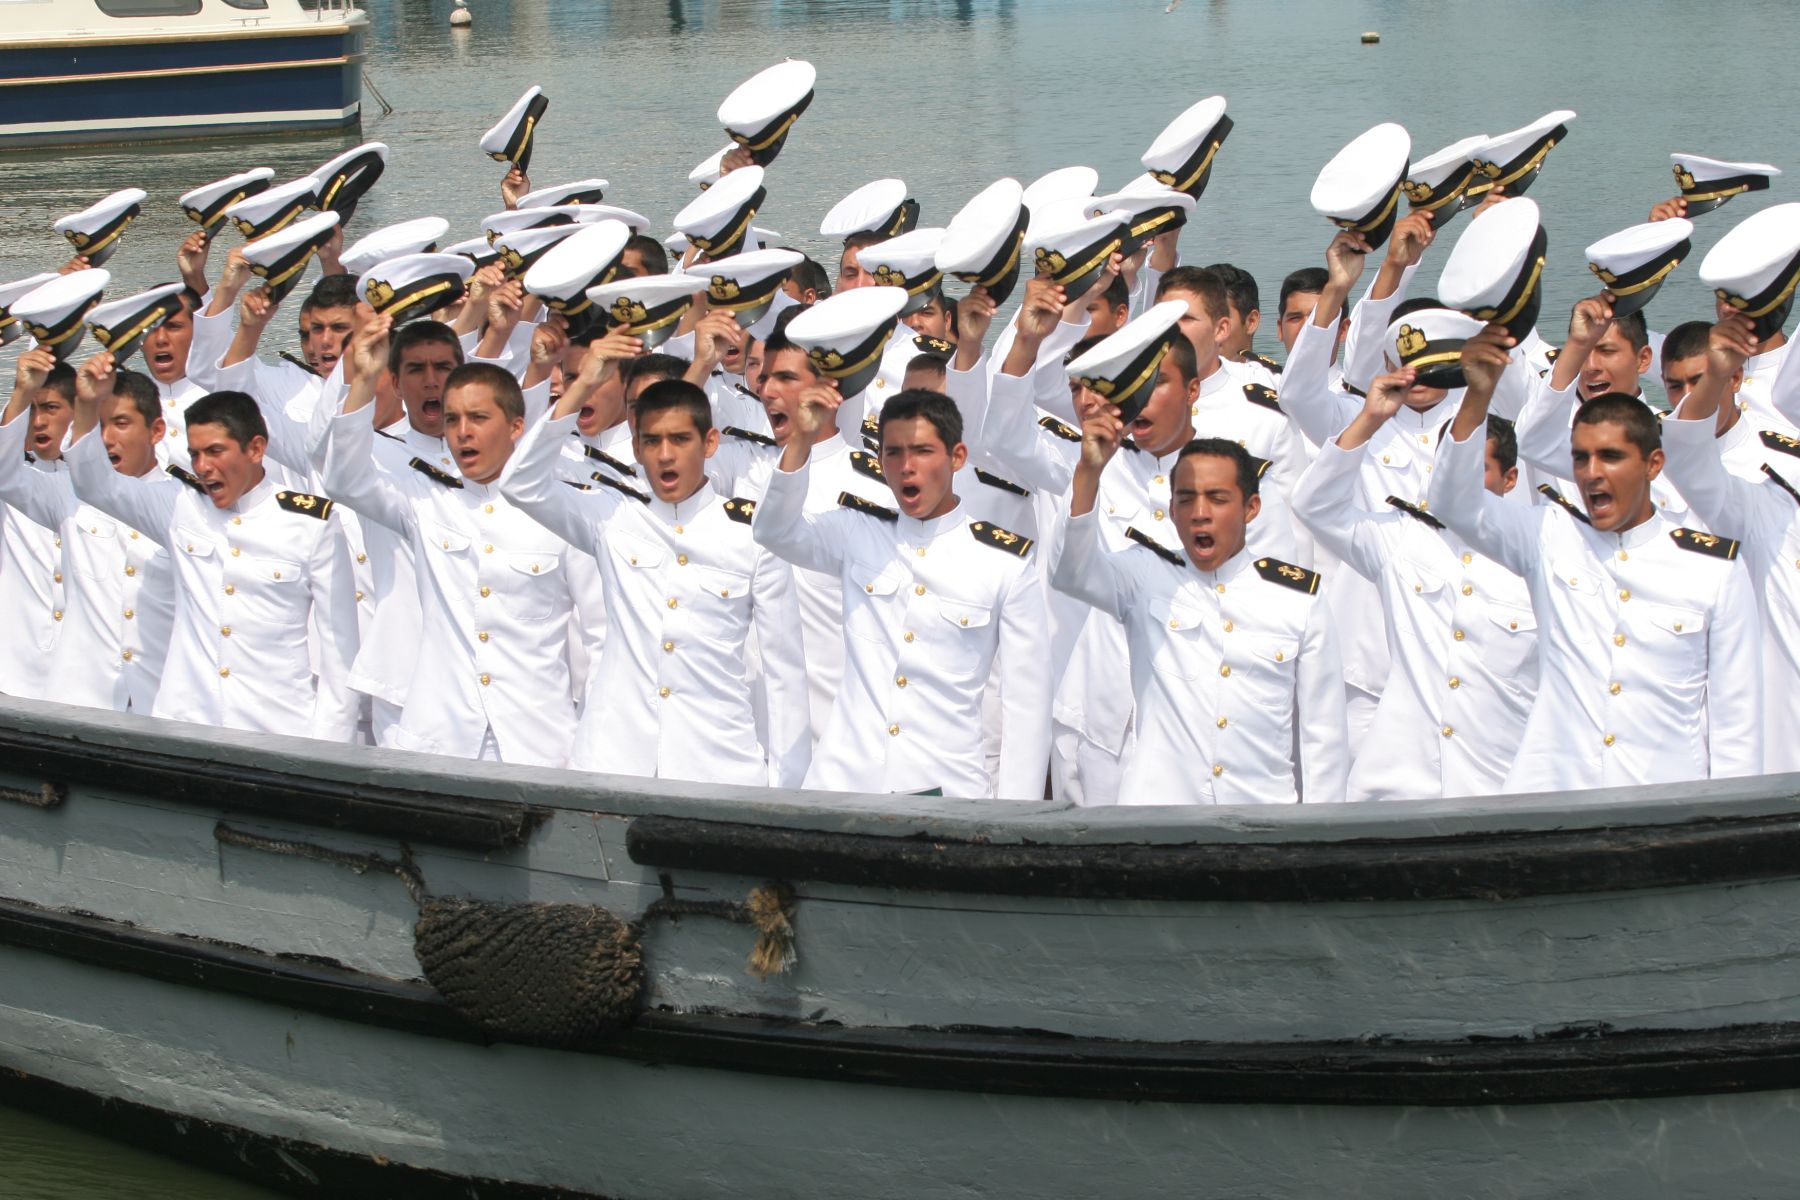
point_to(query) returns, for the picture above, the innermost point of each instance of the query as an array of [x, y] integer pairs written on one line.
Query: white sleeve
[[1025, 689], [1307, 397], [1506, 532], [1319, 711], [1365, 347], [40, 498], [336, 708], [1082, 568], [1734, 694], [816, 543], [352, 479], [777, 616], [531, 482], [1016, 442], [142, 506], [1325, 502], [1543, 427]]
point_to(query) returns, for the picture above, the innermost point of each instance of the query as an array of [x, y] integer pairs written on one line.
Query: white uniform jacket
[[118, 587], [685, 584], [1647, 640], [31, 595], [1463, 636], [1228, 670], [927, 604], [255, 584], [494, 605]]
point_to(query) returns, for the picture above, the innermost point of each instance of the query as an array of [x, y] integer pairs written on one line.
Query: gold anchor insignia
[[380, 294], [1418, 193], [1606, 276], [627, 311], [1684, 178], [1410, 342], [103, 335], [1105, 387], [79, 238], [1291, 572], [1491, 170], [512, 258], [888, 277], [1781, 438], [825, 359], [306, 502], [1049, 262], [1001, 535], [1704, 539], [1166, 178], [722, 288]]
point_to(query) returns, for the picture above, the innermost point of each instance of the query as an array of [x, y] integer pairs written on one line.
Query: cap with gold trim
[[1151, 208], [418, 236], [95, 231], [120, 326], [1633, 263], [1439, 183], [273, 208], [582, 191], [1182, 155], [1707, 183], [711, 168], [1123, 367], [511, 140], [844, 336], [745, 285], [414, 285], [53, 311], [1430, 341], [1512, 160], [593, 212], [205, 206], [279, 259], [648, 307], [347, 178], [513, 219], [1495, 272], [881, 206], [520, 248], [478, 250], [908, 262], [587, 258], [1359, 189], [1755, 266], [718, 219], [984, 242], [11, 328], [760, 111], [1072, 248], [1064, 183]]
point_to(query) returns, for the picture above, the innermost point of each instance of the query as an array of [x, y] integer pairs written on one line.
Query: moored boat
[[353, 972], [153, 70]]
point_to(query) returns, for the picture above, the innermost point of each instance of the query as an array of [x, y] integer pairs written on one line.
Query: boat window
[[149, 8], [248, 3]]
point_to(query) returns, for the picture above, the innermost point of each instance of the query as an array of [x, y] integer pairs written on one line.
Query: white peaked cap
[[871, 208], [417, 236]]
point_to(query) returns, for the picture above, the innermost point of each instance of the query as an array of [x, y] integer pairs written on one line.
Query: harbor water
[[950, 95]]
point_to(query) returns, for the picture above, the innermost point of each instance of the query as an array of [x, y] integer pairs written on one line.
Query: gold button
[[237, 520], [1458, 635], [235, 552], [663, 692], [1221, 722], [1623, 556], [1156, 479], [131, 570], [900, 681], [225, 630], [668, 646], [908, 636], [231, 589], [487, 508], [482, 635], [965, 620], [678, 529], [359, 595], [224, 672], [1229, 626], [869, 587], [674, 603], [893, 730], [1158, 514], [1455, 682], [1467, 559], [1618, 639], [126, 655], [134, 534], [1219, 588], [1615, 688], [1608, 739], [920, 552], [634, 562], [130, 613], [1573, 581], [57, 615], [1625, 594], [1512, 624], [1225, 670], [486, 592], [1423, 440], [534, 568], [1447, 731], [1280, 656], [362, 558], [488, 549], [446, 543], [56, 578], [918, 589], [485, 680], [1678, 627], [1467, 590], [1173, 624], [1418, 587], [278, 574], [680, 559], [1384, 458], [1218, 770]]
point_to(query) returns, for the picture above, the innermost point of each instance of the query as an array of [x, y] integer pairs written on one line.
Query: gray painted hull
[[1036, 970]]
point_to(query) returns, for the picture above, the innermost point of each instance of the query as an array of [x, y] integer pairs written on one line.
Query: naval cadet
[[31, 566], [1647, 631]]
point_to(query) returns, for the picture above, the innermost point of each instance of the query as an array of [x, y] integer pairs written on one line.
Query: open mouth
[[778, 422], [162, 360], [585, 414], [668, 479], [467, 455], [112, 458], [432, 408], [1591, 387], [1599, 503], [1140, 427], [1203, 543], [213, 486], [909, 493]]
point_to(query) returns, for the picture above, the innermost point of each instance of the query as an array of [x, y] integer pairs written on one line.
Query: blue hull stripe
[[76, 60], [302, 88]]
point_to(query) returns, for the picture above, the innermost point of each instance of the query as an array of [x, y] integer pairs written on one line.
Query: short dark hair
[[652, 367], [1305, 280], [1407, 308], [654, 254], [333, 291], [935, 407], [1083, 346], [809, 276], [1502, 440], [928, 362], [141, 391], [863, 240], [780, 341], [1636, 417], [1187, 364], [421, 333], [679, 394], [1687, 340], [1203, 282], [235, 411], [61, 380], [1212, 447], [1117, 295], [190, 300], [496, 379], [1240, 287], [1632, 327]]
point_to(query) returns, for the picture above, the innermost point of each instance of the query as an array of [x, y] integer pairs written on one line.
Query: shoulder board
[[1551, 353], [432, 473], [1263, 395], [300, 502], [1705, 543], [937, 347], [1003, 539], [758, 439], [298, 362], [1556, 497], [1414, 511], [849, 500], [1262, 465], [866, 464], [744, 391], [1288, 575], [188, 477], [1155, 547], [599, 455], [30, 457], [1356, 391], [1767, 470], [616, 486], [871, 426], [1265, 362], [392, 437], [1779, 441], [1005, 485], [581, 487], [740, 510], [1066, 432]]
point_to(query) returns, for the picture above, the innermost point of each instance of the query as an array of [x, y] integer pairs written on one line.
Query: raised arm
[[775, 611], [1307, 397], [1747, 510], [1325, 500], [1079, 565], [124, 498], [1549, 411], [348, 455], [782, 524], [1365, 346], [290, 441], [1504, 531], [42, 499], [530, 481]]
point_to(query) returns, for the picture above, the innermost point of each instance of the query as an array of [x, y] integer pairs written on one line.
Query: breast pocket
[[1418, 583], [1183, 653], [96, 553], [723, 586], [870, 591], [1574, 588], [538, 591], [1678, 640], [446, 538]]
